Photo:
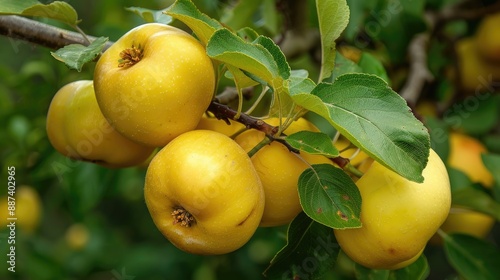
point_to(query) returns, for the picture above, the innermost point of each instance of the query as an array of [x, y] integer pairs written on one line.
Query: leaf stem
[[79, 30], [257, 102]]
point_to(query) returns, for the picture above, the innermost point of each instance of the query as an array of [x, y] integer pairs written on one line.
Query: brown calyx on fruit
[[130, 56], [182, 217]]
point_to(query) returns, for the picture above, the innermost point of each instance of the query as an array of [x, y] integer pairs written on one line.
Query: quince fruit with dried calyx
[[204, 194], [398, 216], [77, 129], [154, 83]]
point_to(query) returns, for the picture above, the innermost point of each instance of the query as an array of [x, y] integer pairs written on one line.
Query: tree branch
[[40, 33], [224, 112], [419, 73], [297, 38]]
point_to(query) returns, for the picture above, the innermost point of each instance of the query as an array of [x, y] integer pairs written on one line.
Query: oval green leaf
[[419, 270], [333, 16], [375, 119], [76, 55], [473, 258], [202, 25], [330, 197], [316, 143], [311, 251], [151, 15]]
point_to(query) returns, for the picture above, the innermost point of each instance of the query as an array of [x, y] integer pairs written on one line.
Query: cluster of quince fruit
[[479, 55], [205, 194]]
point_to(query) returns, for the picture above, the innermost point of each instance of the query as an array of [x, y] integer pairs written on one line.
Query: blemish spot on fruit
[[130, 56], [392, 251], [244, 220], [342, 215], [182, 217]]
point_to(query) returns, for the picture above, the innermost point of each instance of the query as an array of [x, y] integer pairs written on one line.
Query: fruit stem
[[130, 56], [182, 217], [259, 146], [353, 170]]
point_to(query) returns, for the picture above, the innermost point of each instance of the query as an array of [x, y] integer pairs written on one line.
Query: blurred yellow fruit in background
[[465, 155], [28, 209], [465, 221], [77, 236], [488, 38]]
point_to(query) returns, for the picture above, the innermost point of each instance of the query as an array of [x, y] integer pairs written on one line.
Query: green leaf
[[371, 65], [57, 10], [15, 7], [240, 78], [311, 250], [414, 8], [492, 142], [282, 102], [300, 83], [279, 57], [270, 16], [151, 15], [475, 115], [240, 14], [202, 25], [492, 162], [333, 16], [228, 48], [458, 179], [329, 196], [476, 200], [364, 273], [247, 34], [438, 131], [261, 60], [315, 143], [374, 118], [76, 55], [473, 258], [343, 66], [419, 270]]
